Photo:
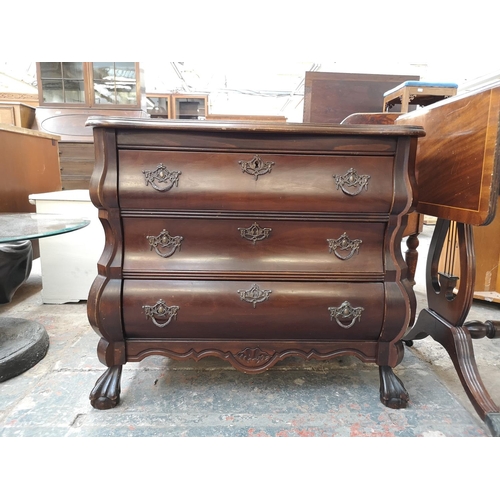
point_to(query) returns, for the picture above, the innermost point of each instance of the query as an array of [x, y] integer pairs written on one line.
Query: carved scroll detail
[[161, 310], [161, 175], [254, 295], [253, 357], [164, 240], [344, 244], [254, 233], [351, 183], [345, 313], [256, 166]]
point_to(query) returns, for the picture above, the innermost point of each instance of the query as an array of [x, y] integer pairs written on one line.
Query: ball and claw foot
[[392, 392], [106, 392]]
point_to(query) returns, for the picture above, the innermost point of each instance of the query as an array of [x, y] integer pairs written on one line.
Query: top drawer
[[167, 180]]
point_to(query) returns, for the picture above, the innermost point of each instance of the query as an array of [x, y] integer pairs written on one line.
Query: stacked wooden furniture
[[417, 93], [331, 97], [458, 177], [354, 98], [251, 242], [29, 162]]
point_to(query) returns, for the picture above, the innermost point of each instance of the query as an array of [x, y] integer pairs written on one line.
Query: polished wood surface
[[29, 164], [211, 253], [370, 118], [260, 118], [456, 167]]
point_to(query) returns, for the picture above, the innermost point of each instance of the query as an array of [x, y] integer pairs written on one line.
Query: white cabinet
[[69, 261]]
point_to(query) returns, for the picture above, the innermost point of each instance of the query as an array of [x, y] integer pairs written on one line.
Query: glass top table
[[29, 226], [24, 342]]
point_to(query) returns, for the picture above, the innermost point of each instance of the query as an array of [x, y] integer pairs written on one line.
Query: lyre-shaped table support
[[444, 318]]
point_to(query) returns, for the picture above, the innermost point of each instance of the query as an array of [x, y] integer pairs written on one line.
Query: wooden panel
[[331, 97], [29, 164], [7, 115], [457, 163], [215, 181], [77, 163], [214, 309], [217, 245], [487, 249], [15, 113]]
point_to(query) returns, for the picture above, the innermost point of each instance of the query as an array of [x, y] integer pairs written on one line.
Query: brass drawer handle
[[256, 166], [254, 295], [255, 233], [345, 313], [161, 175], [344, 244], [162, 311], [164, 240], [351, 183]]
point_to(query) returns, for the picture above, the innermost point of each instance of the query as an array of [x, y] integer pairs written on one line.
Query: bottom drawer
[[252, 310]]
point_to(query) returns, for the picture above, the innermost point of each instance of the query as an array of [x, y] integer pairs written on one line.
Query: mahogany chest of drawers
[[251, 242]]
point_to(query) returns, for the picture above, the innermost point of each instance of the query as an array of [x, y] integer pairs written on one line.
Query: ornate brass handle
[[254, 295], [256, 166], [351, 183], [255, 233], [164, 240], [161, 175], [161, 310], [345, 313], [344, 244]]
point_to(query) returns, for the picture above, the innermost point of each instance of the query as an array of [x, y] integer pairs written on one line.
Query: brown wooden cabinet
[[251, 242], [331, 97], [29, 163], [177, 106], [70, 92], [17, 113]]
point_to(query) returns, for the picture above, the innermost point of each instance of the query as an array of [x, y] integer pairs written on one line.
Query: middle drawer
[[252, 245]]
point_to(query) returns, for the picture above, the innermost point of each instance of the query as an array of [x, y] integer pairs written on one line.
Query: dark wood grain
[[457, 162], [192, 301], [330, 97]]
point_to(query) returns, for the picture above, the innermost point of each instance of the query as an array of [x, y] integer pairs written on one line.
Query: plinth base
[[23, 344]]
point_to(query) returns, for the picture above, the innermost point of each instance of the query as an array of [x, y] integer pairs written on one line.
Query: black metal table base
[[23, 343]]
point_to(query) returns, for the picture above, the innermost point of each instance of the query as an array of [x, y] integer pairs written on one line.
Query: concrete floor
[[162, 397]]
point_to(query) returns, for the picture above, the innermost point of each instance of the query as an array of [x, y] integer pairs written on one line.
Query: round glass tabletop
[[29, 226]]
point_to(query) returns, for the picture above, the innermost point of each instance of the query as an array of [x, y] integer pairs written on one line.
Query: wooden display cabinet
[[177, 106], [70, 92]]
